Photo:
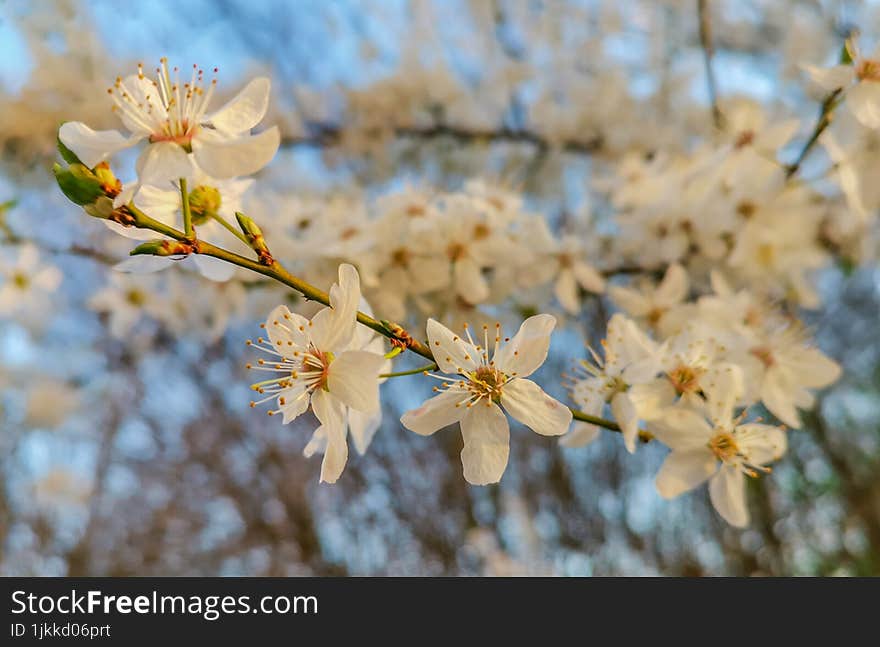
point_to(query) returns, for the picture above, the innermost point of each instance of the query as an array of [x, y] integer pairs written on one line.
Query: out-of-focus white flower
[[126, 299], [630, 358], [723, 452], [27, 281], [562, 261], [652, 304], [859, 80], [172, 117], [475, 398], [318, 367]]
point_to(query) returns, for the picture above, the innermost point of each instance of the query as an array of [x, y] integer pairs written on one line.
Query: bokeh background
[[138, 455]]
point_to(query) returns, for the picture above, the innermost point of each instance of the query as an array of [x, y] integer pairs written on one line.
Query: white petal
[[214, 269], [582, 433], [452, 353], [470, 283], [132, 233], [527, 350], [864, 102], [653, 398], [163, 162], [778, 396], [625, 415], [486, 444], [331, 413], [296, 401], [681, 428], [589, 278], [333, 327], [93, 146], [727, 490], [245, 110], [527, 402], [723, 386], [286, 329], [435, 413], [674, 286], [764, 443], [684, 470], [353, 377], [830, 78], [362, 427], [566, 291], [632, 302], [144, 264], [228, 158]]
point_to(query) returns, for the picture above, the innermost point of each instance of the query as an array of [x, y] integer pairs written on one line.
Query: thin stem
[[708, 52], [825, 113], [414, 371], [279, 273], [235, 232], [187, 212]]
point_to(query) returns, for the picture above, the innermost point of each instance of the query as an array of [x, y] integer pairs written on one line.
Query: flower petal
[[286, 329], [779, 396], [452, 353], [163, 162], [353, 377], [331, 414], [214, 269], [226, 158], [486, 444], [684, 470], [435, 413], [864, 102], [680, 428], [522, 355], [527, 402], [727, 490], [674, 286], [626, 416], [333, 327], [566, 291], [93, 146], [142, 264], [362, 427], [470, 283], [582, 433], [245, 110], [588, 277]]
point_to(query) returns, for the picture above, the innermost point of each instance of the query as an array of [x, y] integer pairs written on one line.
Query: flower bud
[[204, 202], [78, 183], [255, 237], [163, 248]]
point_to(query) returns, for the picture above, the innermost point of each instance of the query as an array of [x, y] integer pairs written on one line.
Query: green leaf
[[78, 183]]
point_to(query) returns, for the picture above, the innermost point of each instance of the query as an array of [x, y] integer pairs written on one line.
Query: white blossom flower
[[173, 118], [483, 387], [630, 358], [652, 304], [859, 80], [723, 452], [319, 368], [27, 281]]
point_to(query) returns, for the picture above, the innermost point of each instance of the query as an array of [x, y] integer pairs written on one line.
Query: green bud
[[254, 235], [101, 208], [78, 183], [163, 248], [204, 202]]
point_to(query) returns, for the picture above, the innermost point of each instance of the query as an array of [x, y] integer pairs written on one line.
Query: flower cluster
[[719, 242], [702, 361]]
